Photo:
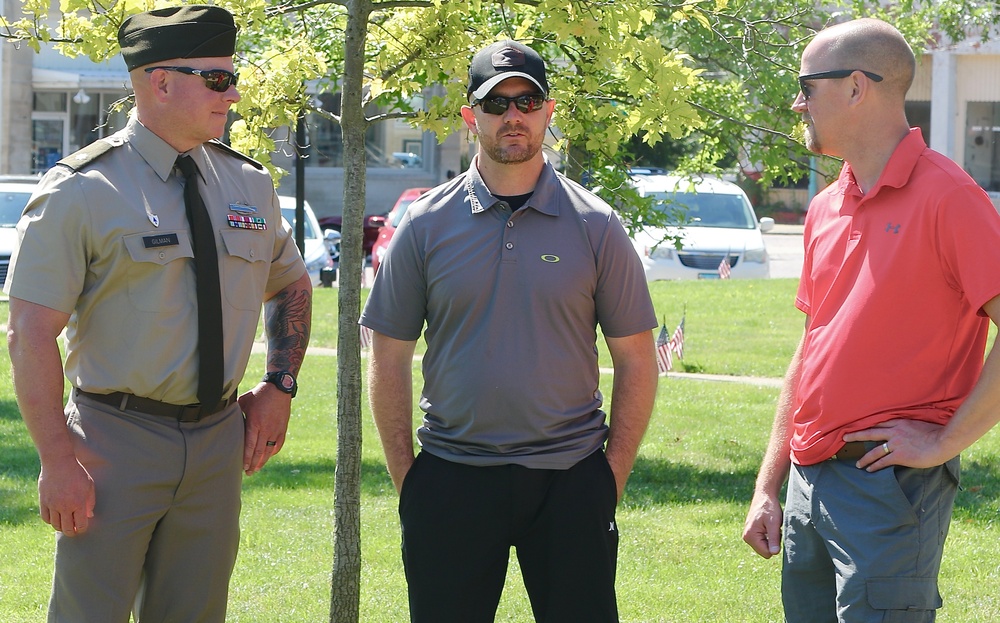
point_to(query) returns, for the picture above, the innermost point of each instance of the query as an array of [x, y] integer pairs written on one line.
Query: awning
[[43, 79]]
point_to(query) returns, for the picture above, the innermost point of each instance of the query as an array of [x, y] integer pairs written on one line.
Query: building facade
[[51, 105]]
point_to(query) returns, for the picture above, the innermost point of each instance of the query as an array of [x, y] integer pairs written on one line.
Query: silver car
[[15, 190]]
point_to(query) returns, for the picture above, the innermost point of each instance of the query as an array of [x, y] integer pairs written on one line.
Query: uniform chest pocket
[[159, 278], [246, 264]]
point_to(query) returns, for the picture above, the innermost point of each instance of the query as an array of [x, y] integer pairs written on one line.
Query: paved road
[[784, 245]]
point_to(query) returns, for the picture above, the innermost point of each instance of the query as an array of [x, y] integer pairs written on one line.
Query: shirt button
[[509, 245], [162, 255], [251, 252], [510, 224]]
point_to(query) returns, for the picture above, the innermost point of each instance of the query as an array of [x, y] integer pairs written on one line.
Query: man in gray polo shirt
[[512, 267]]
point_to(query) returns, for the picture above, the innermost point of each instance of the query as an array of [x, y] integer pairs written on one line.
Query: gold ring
[[885, 448]]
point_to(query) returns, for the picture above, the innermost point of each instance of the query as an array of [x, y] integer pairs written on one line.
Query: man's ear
[[861, 86], [469, 117], [158, 82]]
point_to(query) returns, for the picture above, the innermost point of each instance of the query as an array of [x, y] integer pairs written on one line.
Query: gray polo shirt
[[511, 304]]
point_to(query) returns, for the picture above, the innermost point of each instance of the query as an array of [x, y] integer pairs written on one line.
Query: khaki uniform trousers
[[165, 530]]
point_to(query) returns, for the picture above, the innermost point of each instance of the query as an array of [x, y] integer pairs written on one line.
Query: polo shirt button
[[509, 245], [510, 224], [162, 255]]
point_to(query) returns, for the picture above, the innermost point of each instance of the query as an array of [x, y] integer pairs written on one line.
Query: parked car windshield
[[400, 211], [289, 215], [708, 209], [11, 206]]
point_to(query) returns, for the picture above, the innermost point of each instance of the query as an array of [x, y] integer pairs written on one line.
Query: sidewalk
[[691, 376], [761, 381], [786, 230]]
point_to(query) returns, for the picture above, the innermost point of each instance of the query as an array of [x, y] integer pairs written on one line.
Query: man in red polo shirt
[[898, 286]]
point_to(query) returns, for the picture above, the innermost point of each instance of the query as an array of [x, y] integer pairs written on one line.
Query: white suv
[[717, 222], [15, 190], [322, 247]]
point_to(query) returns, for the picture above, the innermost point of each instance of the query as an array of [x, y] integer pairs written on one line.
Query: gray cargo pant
[[865, 547]]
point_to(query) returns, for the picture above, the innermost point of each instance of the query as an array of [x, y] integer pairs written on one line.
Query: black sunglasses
[[216, 79], [835, 74], [498, 104]]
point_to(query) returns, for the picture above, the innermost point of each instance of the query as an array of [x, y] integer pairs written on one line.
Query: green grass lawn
[[681, 558]]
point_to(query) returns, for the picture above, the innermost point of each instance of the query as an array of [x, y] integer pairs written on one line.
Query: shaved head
[[871, 45]]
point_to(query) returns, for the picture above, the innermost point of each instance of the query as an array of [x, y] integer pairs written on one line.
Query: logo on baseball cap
[[501, 60]]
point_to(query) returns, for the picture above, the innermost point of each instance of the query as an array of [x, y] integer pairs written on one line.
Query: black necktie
[[206, 269]]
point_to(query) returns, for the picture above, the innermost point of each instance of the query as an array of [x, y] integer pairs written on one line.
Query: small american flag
[[366, 337], [663, 361], [724, 270], [677, 339]]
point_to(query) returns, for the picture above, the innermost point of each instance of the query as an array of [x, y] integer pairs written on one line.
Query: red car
[[371, 227], [391, 221]]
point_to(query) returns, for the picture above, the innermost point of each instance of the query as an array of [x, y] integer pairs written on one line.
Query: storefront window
[[49, 102], [387, 144], [84, 117], [918, 115], [47, 140], [63, 122], [91, 118], [982, 144]]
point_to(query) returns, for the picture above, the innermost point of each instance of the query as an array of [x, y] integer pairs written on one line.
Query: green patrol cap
[[191, 31]]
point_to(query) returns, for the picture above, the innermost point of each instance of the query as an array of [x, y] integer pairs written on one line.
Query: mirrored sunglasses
[[498, 104], [216, 79]]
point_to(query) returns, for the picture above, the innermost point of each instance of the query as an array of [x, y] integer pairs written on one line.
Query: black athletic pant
[[459, 523]]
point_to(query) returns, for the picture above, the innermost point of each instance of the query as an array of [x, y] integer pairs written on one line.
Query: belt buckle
[[190, 413]]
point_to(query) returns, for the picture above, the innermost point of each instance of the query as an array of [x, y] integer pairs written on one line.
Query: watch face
[[287, 382]]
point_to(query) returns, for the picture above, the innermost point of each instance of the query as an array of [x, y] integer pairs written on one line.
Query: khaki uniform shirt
[[110, 245]]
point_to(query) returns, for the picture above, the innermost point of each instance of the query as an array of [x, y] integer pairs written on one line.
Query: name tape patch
[[160, 240]]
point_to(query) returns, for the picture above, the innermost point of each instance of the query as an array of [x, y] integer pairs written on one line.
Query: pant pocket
[[405, 497], [904, 600]]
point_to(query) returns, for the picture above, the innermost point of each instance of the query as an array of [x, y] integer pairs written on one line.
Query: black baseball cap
[[191, 31], [501, 60]]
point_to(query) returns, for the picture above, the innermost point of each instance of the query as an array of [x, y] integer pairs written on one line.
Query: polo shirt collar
[[542, 198], [897, 171]]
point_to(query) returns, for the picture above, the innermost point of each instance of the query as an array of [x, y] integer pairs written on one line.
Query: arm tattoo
[[287, 319]]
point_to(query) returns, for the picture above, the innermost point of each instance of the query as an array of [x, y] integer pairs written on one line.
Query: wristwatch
[[283, 380]]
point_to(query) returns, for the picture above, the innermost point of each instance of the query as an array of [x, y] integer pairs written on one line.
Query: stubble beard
[[513, 154], [812, 141]]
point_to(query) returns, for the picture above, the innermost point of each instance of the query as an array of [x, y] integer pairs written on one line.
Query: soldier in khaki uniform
[[139, 479]]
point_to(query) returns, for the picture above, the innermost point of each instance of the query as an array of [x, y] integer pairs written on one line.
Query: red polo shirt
[[894, 282]]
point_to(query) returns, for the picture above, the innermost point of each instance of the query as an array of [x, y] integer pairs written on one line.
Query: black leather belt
[[182, 413], [853, 450]]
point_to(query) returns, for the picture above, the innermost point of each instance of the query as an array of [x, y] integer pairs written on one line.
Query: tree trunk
[[346, 580]]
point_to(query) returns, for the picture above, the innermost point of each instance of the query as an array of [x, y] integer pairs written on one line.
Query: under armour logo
[[889, 227], [611, 528]]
